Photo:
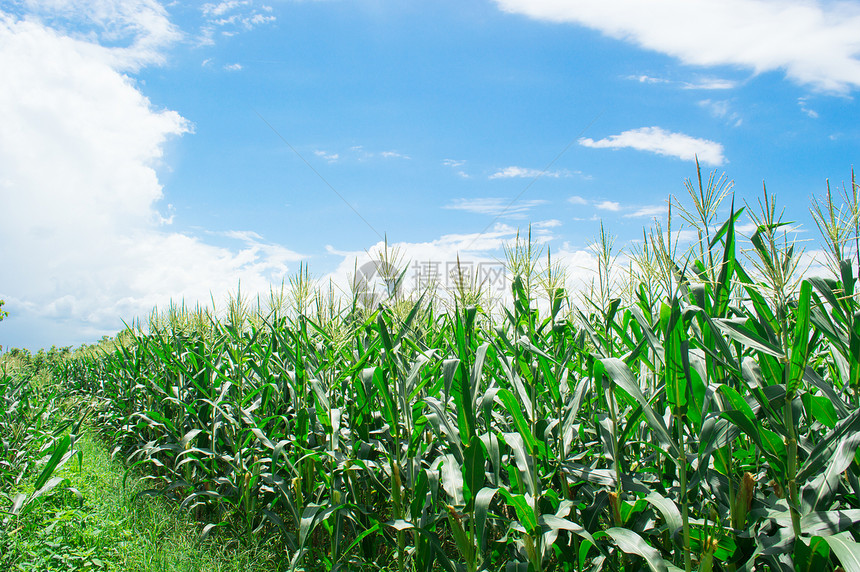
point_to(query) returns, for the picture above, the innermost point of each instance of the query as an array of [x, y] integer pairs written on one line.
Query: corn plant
[[698, 411]]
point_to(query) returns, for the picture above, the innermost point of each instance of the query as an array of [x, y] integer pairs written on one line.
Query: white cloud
[[523, 172], [330, 157], [233, 16], [662, 142], [456, 164], [393, 155], [480, 253], [233, 67], [138, 30], [746, 228], [358, 152], [495, 206], [577, 200], [812, 41], [608, 206], [722, 109], [649, 211], [244, 235], [706, 83], [551, 223], [684, 236], [717, 108], [580, 266], [83, 240], [712, 83], [803, 102], [642, 78], [435, 260], [217, 10]]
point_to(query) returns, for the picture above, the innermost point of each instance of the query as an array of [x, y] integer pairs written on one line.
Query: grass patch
[[92, 523]]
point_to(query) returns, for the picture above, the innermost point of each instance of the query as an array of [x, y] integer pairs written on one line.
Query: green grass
[[106, 527]]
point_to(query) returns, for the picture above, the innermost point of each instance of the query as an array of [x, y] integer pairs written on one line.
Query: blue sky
[[157, 151]]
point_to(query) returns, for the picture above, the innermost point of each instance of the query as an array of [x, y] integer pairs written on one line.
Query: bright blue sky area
[[427, 118]]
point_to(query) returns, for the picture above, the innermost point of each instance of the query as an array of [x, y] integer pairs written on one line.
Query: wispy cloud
[[722, 109], [662, 142], [803, 102], [243, 235], [612, 206], [359, 153], [714, 83], [526, 173], [814, 43], [616, 207], [642, 78], [330, 157], [125, 34], [233, 67], [495, 206], [456, 164], [705, 83], [649, 211], [393, 155], [232, 16]]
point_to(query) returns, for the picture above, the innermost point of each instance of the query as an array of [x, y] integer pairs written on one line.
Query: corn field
[[697, 410]]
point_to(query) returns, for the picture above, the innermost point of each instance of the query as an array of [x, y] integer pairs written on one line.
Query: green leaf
[[722, 550], [523, 461], [389, 405], [557, 523], [26, 507], [631, 543], [818, 494], [772, 442], [442, 424], [513, 407], [676, 359], [452, 479], [745, 336], [525, 511], [482, 508], [668, 509], [60, 450], [449, 369], [821, 409], [464, 544], [800, 340], [620, 373], [826, 288], [441, 557], [811, 555], [846, 550], [823, 450], [311, 517], [474, 459], [854, 350], [824, 523], [723, 287]]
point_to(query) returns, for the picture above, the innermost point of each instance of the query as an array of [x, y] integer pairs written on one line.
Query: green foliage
[[97, 524], [703, 415]]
